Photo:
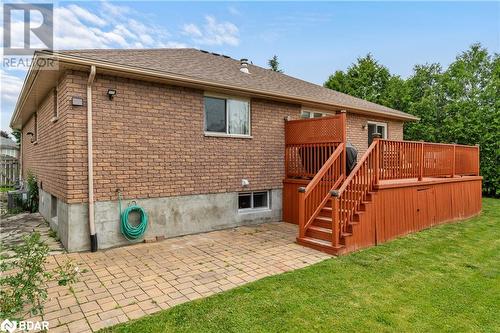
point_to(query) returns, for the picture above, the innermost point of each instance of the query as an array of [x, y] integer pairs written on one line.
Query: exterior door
[[426, 204]]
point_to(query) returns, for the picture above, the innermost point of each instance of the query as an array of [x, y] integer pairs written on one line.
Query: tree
[[366, 79], [274, 64], [17, 135], [460, 104], [4, 134]]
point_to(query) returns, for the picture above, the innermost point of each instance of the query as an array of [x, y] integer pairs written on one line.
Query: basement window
[[53, 207], [227, 116], [253, 200]]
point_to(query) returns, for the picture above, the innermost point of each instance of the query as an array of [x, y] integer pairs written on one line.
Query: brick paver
[[130, 282]]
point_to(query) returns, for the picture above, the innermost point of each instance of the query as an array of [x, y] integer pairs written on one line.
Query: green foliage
[[17, 135], [32, 203], [274, 64], [460, 104], [24, 278]]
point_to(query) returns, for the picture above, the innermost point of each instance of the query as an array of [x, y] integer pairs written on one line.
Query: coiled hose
[[129, 231]]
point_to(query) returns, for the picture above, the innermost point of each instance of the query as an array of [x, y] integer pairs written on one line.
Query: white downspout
[[93, 236]]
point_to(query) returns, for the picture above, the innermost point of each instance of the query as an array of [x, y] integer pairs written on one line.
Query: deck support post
[[478, 161], [343, 116], [335, 220], [376, 137], [453, 169], [421, 171], [302, 211]]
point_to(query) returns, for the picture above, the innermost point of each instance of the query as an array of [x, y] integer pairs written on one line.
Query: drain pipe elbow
[[90, 161]]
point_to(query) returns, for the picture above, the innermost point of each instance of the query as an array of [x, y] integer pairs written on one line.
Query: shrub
[[32, 184], [24, 278]]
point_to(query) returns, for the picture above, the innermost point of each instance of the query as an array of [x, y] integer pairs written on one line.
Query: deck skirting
[[404, 206]]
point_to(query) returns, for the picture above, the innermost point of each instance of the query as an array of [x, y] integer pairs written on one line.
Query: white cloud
[[192, 30], [213, 32], [87, 16], [11, 86], [234, 11], [112, 27]]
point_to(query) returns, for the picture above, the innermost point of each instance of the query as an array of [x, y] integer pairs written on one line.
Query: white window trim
[[227, 134], [259, 209], [376, 123], [313, 111]]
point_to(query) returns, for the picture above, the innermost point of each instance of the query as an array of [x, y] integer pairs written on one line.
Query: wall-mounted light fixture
[[32, 135], [111, 94], [363, 127], [245, 183], [77, 101]]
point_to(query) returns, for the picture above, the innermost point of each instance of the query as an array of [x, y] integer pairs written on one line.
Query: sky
[[311, 39]]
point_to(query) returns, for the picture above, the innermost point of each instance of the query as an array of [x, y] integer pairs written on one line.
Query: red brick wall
[[149, 142], [48, 156]]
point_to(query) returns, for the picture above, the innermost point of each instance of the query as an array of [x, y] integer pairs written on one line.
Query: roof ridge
[[129, 49]]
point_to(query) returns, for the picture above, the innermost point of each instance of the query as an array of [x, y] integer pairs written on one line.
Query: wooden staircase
[[342, 212], [319, 235]]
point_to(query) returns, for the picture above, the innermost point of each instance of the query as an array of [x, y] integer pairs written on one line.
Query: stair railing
[[355, 189], [316, 194]]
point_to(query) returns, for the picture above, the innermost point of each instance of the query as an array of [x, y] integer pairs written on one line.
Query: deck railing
[[360, 182], [314, 197], [309, 143], [385, 160], [410, 159]]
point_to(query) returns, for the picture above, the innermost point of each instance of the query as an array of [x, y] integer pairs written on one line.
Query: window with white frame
[[253, 200], [376, 127], [227, 116], [311, 114]]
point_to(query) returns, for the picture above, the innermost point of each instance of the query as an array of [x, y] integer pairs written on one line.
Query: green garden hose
[[129, 231]]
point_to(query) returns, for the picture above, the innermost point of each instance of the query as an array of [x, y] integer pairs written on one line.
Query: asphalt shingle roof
[[206, 66]]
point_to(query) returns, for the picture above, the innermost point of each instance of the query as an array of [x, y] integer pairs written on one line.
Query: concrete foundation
[[168, 217]]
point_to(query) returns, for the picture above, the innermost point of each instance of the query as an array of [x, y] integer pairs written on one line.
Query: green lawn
[[445, 279]]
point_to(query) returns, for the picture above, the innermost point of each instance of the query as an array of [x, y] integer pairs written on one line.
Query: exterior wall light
[[111, 93], [31, 134], [77, 101]]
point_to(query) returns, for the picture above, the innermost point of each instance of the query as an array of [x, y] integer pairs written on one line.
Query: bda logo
[[8, 326]]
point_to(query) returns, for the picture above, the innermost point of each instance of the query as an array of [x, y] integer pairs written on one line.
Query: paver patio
[[126, 283]]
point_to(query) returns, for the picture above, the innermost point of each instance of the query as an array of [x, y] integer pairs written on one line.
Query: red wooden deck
[[396, 188]]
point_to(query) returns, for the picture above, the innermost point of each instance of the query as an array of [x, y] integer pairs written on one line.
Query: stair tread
[[324, 218], [317, 228], [319, 242]]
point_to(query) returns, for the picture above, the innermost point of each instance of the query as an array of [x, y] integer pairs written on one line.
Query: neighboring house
[[8, 147], [195, 138], [9, 162]]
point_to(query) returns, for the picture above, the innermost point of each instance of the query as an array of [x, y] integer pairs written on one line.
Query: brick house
[[195, 138]]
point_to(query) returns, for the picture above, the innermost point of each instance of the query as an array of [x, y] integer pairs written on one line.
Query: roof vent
[[244, 66]]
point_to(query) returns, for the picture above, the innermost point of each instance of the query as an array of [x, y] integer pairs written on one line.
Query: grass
[[444, 279]]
